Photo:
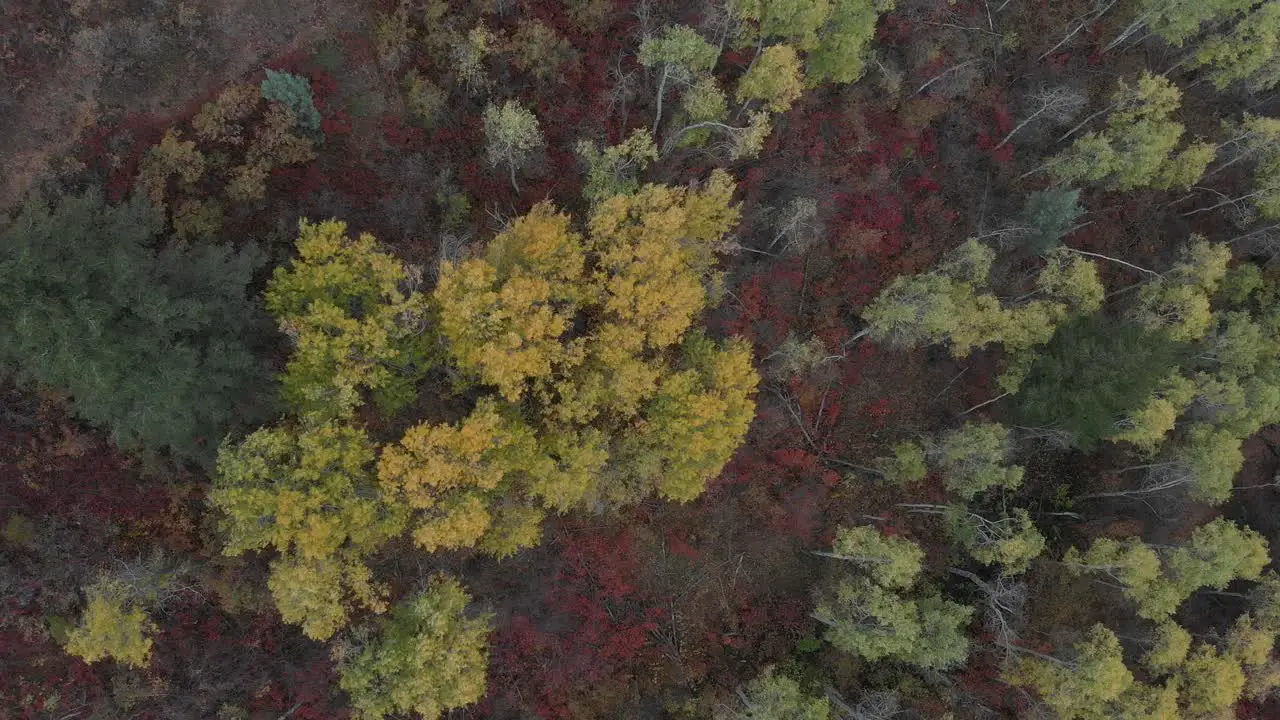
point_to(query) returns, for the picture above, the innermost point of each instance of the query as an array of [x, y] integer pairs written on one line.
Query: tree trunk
[[662, 89], [1114, 260]]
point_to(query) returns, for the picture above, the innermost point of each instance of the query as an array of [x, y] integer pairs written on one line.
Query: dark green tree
[[1093, 373], [150, 344], [1047, 216]]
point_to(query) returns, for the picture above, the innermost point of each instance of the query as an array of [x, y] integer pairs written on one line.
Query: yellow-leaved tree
[[307, 492], [602, 390], [356, 323], [114, 625], [306, 487], [590, 384]]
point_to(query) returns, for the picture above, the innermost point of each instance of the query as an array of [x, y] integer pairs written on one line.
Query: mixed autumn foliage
[[744, 359]]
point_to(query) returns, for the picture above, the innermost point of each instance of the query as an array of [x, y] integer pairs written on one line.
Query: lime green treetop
[[355, 326], [1158, 579], [871, 615], [1137, 147], [113, 626], [429, 657], [774, 696], [835, 34]]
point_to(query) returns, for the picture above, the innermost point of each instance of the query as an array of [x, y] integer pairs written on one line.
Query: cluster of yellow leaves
[[317, 593], [275, 144], [223, 119], [112, 627], [504, 315], [474, 482], [654, 250], [597, 379], [1148, 425], [171, 157], [353, 326], [455, 474], [602, 390], [693, 424], [306, 492]]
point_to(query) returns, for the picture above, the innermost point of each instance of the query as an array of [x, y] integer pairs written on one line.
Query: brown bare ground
[[81, 60]]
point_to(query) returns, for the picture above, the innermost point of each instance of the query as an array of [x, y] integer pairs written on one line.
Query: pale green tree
[[1158, 579], [774, 80], [1011, 542], [890, 560], [1071, 283], [841, 55], [1210, 682], [774, 696], [1218, 552], [875, 623], [1178, 301], [975, 458], [1264, 599], [905, 466], [871, 615], [1250, 641], [835, 34], [1246, 51], [1170, 643], [511, 134], [797, 357], [1139, 147], [616, 169], [318, 594], [1204, 463], [538, 49], [942, 306], [429, 657], [1143, 701], [1255, 139], [1082, 684], [1176, 22], [703, 109], [951, 304], [796, 21], [1136, 567], [680, 56], [467, 56], [1147, 426]]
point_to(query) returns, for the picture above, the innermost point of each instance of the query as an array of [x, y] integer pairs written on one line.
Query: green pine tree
[[150, 345]]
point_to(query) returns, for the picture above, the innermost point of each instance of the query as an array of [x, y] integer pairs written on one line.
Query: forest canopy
[[574, 359]]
